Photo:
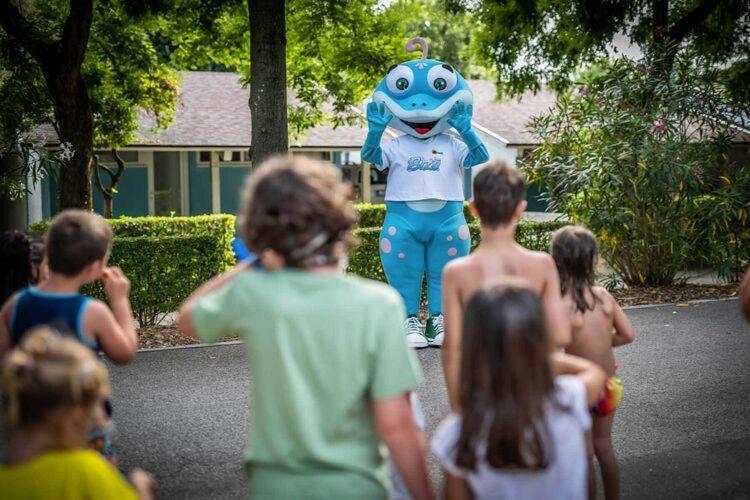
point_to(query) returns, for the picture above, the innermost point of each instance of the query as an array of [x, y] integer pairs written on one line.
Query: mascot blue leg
[[403, 256], [450, 240]]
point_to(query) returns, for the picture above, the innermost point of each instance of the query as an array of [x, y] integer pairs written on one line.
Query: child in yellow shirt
[[54, 387]]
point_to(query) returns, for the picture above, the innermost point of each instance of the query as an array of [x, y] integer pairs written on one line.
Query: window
[[108, 157], [167, 186], [225, 156]]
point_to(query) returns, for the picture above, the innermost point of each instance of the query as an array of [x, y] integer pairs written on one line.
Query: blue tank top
[[61, 311]]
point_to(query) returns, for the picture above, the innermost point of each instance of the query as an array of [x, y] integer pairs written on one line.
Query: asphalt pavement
[[682, 430]]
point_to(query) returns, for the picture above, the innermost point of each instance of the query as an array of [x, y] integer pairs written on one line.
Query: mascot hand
[[378, 117], [460, 118]]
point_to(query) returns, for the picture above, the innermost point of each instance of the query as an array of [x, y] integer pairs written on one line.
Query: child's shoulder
[[603, 297]]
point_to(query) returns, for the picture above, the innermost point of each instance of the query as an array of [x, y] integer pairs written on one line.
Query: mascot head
[[420, 93]]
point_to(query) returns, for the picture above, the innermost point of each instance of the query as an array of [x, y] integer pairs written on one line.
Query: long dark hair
[[15, 271], [506, 378], [575, 252]]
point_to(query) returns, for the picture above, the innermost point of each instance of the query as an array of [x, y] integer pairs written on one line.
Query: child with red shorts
[[597, 325]]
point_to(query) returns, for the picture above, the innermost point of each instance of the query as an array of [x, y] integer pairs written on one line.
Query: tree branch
[[97, 177], [24, 32], [120, 167], [75, 35], [692, 19]]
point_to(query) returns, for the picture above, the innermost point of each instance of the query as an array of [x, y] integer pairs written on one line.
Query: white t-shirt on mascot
[[422, 169]]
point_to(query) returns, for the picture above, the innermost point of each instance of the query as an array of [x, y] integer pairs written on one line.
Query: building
[[198, 164]]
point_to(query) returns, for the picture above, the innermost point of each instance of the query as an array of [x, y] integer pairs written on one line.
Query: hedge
[[218, 227], [163, 270], [166, 258]]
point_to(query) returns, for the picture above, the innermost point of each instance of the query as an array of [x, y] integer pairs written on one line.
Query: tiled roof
[[212, 111], [508, 118]]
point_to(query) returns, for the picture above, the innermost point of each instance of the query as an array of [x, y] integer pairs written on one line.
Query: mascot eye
[[399, 79], [441, 78]]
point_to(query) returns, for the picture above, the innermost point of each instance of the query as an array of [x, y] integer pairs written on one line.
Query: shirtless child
[[499, 201], [598, 325]]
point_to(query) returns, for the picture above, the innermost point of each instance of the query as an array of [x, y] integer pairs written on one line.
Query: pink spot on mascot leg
[[392, 230], [385, 245], [452, 252], [450, 237], [402, 255], [463, 232]]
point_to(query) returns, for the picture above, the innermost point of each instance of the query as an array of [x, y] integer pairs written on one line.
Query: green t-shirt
[[321, 348]]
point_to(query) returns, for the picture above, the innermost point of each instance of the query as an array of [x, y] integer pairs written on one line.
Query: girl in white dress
[[524, 414]]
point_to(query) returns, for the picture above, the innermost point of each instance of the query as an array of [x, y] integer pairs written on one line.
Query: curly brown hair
[[299, 209]]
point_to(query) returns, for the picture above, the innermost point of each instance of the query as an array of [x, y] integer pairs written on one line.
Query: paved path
[[683, 430]]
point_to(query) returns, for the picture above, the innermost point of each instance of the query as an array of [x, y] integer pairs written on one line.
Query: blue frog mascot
[[424, 224]]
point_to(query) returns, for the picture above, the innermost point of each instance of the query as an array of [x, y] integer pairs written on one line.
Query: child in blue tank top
[[77, 249]]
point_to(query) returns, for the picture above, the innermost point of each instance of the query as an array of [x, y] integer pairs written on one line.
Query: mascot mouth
[[421, 128]]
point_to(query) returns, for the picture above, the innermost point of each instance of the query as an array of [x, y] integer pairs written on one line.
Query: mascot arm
[[460, 119], [477, 150], [378, 117]]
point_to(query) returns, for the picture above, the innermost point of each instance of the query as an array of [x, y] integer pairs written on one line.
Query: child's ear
[[473, 209], [94, 270], [520, 209]]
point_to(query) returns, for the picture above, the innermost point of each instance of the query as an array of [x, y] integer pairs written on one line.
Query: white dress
[[565, 477]]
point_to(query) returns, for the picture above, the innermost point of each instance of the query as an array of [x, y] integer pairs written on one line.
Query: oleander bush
[[644, 162]]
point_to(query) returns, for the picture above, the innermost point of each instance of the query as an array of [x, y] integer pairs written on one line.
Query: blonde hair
[[47, 373]]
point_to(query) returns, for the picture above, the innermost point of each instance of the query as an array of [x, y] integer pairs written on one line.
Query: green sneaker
[[435, 331]]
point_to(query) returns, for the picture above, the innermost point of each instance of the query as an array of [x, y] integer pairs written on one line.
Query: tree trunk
[[268, 103], [74, 118]]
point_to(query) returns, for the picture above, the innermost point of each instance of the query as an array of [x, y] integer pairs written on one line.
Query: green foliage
[[633, 158], [447, 31], [546, 41], [121, 70], [218, 227], [163, 270]]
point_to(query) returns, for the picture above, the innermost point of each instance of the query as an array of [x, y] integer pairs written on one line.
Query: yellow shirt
[[64, 475]]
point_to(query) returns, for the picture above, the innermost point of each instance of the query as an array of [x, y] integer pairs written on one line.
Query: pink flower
[[659, 126], [584, 90]]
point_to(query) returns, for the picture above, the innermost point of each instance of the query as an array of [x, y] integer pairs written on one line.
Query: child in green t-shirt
[[54, 389], [331, 368]]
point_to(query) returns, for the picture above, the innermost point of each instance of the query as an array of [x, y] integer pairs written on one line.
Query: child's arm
[[453, 319], [395, 424], [143, 484], [589, 373], [5, 314], [113, 328], [185, 320], [556, 315], [745, 295], [456, 488], [623, 333]]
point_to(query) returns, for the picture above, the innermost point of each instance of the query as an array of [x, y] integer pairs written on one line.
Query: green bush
[[163, 270], [219, 227], [373, 215], [633, 156]]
